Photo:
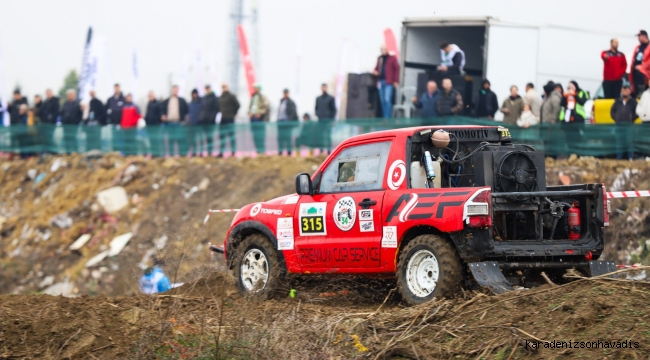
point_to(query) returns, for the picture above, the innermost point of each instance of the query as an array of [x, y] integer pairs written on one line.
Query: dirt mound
[[50, 202], [205, 319]]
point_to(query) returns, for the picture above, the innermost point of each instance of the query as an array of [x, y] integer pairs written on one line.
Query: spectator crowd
[[549, 104], [204, 117]]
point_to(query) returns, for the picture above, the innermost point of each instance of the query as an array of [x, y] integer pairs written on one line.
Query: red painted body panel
[[349, 244]]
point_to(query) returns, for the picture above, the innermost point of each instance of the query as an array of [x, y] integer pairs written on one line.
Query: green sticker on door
[[312, 219]]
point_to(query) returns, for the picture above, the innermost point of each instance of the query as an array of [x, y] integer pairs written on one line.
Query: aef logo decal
[[396, 174], [423, 202]]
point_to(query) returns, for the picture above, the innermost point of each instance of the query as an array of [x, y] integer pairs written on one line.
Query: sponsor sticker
[[365, 214], [256, 209], [285, 223], [389, 237], [292, 200], [285, 233], [285, 244], [345, 213], [396, 174], [312, 219], [366, 226]]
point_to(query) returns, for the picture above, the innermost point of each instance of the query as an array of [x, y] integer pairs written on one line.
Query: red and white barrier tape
[[628, 194], [629, 266], [207, 217]]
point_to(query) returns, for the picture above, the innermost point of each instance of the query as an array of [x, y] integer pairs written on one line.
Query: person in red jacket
[[640, 67], [387, 72], [614, 70], [128, 123]]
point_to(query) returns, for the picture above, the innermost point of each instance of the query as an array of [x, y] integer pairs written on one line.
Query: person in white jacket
[[643, 107], [527, 118], [533, 99]]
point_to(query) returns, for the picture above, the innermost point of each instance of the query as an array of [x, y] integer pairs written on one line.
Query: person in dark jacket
[[229, 106], [14, 108], [640, 66], [96, 118], [71, 117], [153, 115], [114, 107], [194, 107], [624, 113], [487, 104], [96, 113], [387, 73], [50, 109], [36, 109], [450, 101], [614, 70], [325, 105], [287, 118], [326, 113], [174, 110], [428, 102], [208, 116], [154, 130]]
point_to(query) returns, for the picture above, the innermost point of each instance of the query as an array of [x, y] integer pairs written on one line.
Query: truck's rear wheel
[[428, 267], [256, 267]]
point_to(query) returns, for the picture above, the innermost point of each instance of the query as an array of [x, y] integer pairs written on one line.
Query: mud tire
[[449, 265], [275, 270]]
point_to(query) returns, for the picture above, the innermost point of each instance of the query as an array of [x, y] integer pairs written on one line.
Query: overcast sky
[[42, 40]]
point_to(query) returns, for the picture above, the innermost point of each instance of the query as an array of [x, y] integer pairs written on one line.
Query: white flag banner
[[198, 64], [182, 79], [4, 94], [340, 79], [296, 95], [87, 68], [213, 75], [135, 74]]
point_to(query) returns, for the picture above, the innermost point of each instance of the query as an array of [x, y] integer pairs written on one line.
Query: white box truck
[[508, 53]]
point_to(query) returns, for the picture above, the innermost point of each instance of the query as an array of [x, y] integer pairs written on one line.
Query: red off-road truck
[[436, 208]]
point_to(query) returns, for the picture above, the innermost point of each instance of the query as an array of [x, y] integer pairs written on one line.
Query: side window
[[356, 168]]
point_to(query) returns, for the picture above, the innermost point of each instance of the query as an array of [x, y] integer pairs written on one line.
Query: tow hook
[[217, 249]]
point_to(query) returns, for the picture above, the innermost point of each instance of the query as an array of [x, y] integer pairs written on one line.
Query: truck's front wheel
[[257, 268], [428, 267]]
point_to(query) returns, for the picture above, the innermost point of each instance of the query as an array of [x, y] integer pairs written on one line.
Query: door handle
[[366, 203]]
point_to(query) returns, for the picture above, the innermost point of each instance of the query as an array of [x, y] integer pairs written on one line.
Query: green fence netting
[[286, 137]]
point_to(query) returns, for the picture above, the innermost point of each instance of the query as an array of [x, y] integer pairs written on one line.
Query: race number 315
[[312, 224]]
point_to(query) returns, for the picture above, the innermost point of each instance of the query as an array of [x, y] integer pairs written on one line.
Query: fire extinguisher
[[574, 222]]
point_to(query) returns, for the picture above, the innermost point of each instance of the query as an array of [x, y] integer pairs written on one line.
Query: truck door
[[340, 226]]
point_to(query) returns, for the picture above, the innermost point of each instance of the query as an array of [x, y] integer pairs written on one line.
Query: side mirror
[[303, 184]]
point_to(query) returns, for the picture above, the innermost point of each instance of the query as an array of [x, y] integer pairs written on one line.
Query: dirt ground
[[597, 318], [106, 318]]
